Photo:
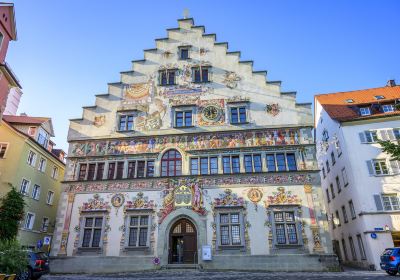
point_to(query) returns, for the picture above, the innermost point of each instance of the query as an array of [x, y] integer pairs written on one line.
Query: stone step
[[181, 266]]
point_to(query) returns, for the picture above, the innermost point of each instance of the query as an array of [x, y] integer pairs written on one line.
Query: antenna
[[185, 13]]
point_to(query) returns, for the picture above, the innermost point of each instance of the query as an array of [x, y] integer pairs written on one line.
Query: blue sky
[[67, 51]]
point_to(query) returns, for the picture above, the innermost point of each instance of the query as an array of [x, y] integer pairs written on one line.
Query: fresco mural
[[272, 137], [137, 93], [231, 79]]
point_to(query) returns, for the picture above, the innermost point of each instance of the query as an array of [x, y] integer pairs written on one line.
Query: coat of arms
[[272, 109]]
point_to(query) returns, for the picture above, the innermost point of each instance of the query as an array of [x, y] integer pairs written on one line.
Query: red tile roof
[[24, 119], [338, 108]]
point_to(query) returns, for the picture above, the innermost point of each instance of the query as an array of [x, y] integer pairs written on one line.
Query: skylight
[[349, 100], [378, 97]]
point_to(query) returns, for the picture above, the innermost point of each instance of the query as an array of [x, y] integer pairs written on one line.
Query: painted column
[[67, 222], [314, 226]]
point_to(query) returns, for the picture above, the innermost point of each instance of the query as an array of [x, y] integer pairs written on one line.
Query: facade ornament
[[211, 112], [255, 195], [231, 79], [167, 54], [272, 109], [203, 51], [95, 204], [237, 99], [99, 120], [140, 202], [228, 199], [117, 200], [282, 197]]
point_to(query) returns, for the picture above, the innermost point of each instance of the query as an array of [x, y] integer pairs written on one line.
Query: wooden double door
[[183, 243]]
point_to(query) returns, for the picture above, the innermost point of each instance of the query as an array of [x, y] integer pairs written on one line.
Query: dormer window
[[43, 137], [184, 53], [379, 97], [349, 101], [201, 74], [167, 77], [365, 111], [388, 108]]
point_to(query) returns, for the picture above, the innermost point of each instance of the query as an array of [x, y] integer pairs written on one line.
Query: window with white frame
[[126, 122], [252, 163], [365, 111], [361, 247], [204, 165], [36, 192], [323, 172], [344, 212], [54, 172], [390, 202], [3, 150], [29, 220], [286, 227], [167, 77], [328, 168], [344, 247], [31, 158], [352, 210], [45, 224], [338, 185], [238, 114], [344, 176], [281, 162], [333, 158], [387, 108], [92, 232], [184, 52], [140, 168], [230, 228], [43, 137], [25, 187], [138, 228], [394, 166], [396, 132], [380, 167], [183, 118], [50, 197], [338, 148], [337, 219], [231, 164], [42, 164]]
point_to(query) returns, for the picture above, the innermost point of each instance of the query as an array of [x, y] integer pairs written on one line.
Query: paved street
[[179, 274]]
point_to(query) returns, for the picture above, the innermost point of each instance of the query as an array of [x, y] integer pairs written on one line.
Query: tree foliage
[[13, 260], [11, 212], [391, 148]]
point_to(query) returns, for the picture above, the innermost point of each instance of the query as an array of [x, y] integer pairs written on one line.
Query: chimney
[[391, 83], [23, 114]]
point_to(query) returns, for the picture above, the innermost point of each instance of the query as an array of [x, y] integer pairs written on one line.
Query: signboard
[[206, 253], [46, 240], [378, 229], [373, 235]]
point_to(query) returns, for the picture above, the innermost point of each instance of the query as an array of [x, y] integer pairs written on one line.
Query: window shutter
[[378, 202], [383, 135], [362, 137], [394, 165], [370, 165], [391, 134]]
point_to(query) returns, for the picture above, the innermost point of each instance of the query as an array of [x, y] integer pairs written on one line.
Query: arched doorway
[[183, 243]]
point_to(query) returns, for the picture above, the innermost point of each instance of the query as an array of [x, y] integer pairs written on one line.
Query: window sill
[[167, 85], [288, 246], [230, 247], [90, 249], [132, 248], [180, 127], [121, 131], [239, 123], [201, 82]]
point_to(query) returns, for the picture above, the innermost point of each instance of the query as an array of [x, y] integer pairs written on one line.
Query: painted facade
[[192, 154], [33, 170], [359, 181]]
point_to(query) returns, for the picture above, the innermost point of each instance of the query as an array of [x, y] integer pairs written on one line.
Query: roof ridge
[[321, 94]]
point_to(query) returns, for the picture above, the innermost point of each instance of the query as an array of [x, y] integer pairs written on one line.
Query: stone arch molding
[[164, 229]]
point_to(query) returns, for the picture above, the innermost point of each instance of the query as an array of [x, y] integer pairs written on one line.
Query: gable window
[[365, 111], [32, 131], [338, 185], [346, 220], [379, 97], [50, 198], [29, 220], [183, 118], [184, 53], [43, 138], [82, 171], [252, 163], [3, 149], [201, 74], [388, 108], [36, 192], [24, 187], [333, 158], [31, 158], [171, 163], [230, 228], [231, 164], [42, 164], [138, 230], [286, 228], [54, 172], [204, 165], [352, 210], [167, 77], [125, 123], [92, 232], [238, 115], [45, 224]]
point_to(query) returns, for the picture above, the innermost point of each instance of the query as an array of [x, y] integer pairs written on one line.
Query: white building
[[194, 159], [13, 100], [361, 183]]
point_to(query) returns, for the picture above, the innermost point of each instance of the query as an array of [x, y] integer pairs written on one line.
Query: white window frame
[[391, 200], [36, 195], [382, 164], [295, 222], [42, 164], [26, 193], [31, 221], [54, 172], [126, 115], [140, 214], [50, 198], [365, 111], [31, 160], [7, 146], [184, 111], [345, 178], [387, 108], [82, 226], [352, 210], [344, 213], [369, 136], [237, 106]]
